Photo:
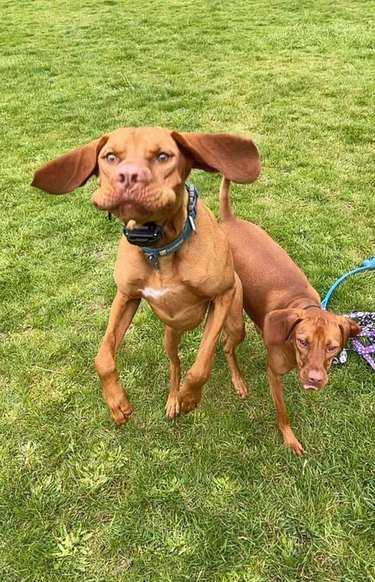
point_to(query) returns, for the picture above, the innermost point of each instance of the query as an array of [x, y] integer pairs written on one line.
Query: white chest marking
[[154, 293]]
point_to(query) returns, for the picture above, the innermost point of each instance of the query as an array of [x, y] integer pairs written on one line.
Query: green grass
[[213, 495]]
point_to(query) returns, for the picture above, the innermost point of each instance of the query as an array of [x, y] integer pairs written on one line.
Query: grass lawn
[[213, 495]]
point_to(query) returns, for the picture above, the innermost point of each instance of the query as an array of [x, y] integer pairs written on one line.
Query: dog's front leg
[[191, 391], [290, 440], [121, 315], [171, 342]]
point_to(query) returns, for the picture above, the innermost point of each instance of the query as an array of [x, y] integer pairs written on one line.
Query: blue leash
[[366, 265], [365, 319]]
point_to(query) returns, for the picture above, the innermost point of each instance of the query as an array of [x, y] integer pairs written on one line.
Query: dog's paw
[[291, 442], [296, 447], [172, 407], [120, 410], [189, 400], [240, 387]]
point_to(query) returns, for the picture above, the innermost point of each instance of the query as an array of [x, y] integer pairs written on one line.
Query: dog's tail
[[224, 200]]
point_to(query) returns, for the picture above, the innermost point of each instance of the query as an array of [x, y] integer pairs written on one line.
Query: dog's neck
[[165, 230], [306, 303], [311, 305], [173, 224]]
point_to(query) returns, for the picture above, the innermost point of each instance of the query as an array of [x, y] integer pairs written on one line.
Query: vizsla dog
[[286, 309], [173, 255]]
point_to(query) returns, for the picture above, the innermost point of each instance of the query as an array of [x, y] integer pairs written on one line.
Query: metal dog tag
[[191, 220], [153, 261]]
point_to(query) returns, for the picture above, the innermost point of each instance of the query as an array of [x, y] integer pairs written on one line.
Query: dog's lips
[[139, 203], [133, 201], [310, 387], [129, 201], [130, 197], [114, 201], [129, 209]]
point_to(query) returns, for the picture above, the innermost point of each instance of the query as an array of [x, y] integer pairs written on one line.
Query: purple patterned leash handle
[[365, 351], [366, 320]]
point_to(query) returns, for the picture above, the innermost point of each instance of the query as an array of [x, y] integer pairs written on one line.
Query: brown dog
[[286, 309], [141, 176]]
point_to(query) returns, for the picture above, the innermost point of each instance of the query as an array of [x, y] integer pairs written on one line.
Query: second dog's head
[[316, 336]]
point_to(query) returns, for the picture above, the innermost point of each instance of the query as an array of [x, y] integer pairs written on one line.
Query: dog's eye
[[111, 158], [302, 342], [332, 349], [162, 157]]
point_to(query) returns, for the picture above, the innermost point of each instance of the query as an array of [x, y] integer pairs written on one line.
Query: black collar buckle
[[146, 234]]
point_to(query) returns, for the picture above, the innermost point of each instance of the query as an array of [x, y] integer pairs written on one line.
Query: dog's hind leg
[[234, 334]]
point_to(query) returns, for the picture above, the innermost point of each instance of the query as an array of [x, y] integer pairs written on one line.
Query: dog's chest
[[154, 293], [176, 305], [163, 295], [178, 302]]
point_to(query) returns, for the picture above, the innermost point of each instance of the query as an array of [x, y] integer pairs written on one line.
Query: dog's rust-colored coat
[[286, 309], [141, 174]]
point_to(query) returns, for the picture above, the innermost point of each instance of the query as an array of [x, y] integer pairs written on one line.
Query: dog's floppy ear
[[349, 328], [70, 171], [279, 324], [235, 157]]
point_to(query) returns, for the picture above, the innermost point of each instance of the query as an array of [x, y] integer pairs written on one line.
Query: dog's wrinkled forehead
[[321, 327], [140, 142]]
